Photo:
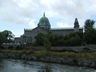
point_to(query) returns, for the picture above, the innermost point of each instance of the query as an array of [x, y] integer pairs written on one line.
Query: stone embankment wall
[[52, 59], [87, 48]]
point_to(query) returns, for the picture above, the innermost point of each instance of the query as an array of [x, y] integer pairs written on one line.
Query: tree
[[39, 39], [89, 25], [90, 32], [74, 39], [47, 44], [6, 36]]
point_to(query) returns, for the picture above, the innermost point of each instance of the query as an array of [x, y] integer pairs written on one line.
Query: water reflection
[[9, 65], [1, 64], [45, 68]]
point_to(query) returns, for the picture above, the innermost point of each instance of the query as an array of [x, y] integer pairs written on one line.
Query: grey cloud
[[11, 11], [16, 11], [81, 9]]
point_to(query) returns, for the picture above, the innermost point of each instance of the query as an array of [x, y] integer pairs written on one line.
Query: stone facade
[[45, 27], [65, 31]]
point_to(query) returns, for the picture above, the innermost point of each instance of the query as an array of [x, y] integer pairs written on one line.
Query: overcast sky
[[15, 15]]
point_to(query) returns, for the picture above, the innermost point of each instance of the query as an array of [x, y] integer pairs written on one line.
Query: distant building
[[44, 27]]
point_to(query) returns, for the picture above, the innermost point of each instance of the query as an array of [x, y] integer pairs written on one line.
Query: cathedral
[[44, 27]]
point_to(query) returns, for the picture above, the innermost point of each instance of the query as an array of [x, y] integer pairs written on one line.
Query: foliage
[[86, 49], [43, 52], [47, 44], [89, 25], [50, 53], [17, 51], [72, 39], [6, 36], [90, 32], [39, 39]]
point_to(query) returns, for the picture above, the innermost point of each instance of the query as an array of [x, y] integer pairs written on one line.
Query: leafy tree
[[39, 39], [90, 32], [47, 44], [6, 36], [74, 39], [59, 40], [89, 25]]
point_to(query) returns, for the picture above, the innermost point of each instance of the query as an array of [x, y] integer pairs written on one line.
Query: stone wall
[[52, 59], [30, 34], [64, 31], [87, 48]]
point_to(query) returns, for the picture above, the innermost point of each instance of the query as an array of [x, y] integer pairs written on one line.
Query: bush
[[72, 39]]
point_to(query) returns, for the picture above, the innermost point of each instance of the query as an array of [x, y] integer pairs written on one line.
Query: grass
[[69, 54], [50, 53], [17, 51]]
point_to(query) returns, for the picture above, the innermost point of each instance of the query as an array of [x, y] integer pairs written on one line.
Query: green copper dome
[[44, 19], [44, 22]]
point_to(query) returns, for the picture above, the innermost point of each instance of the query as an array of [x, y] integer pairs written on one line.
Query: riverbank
[[69, 58]]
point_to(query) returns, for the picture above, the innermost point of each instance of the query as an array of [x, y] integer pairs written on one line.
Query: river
[[11, 65]]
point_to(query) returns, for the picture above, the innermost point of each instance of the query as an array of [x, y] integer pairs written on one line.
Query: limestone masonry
[[44, 27]]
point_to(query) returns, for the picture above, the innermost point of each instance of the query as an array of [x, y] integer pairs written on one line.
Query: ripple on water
[[10, 65]]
